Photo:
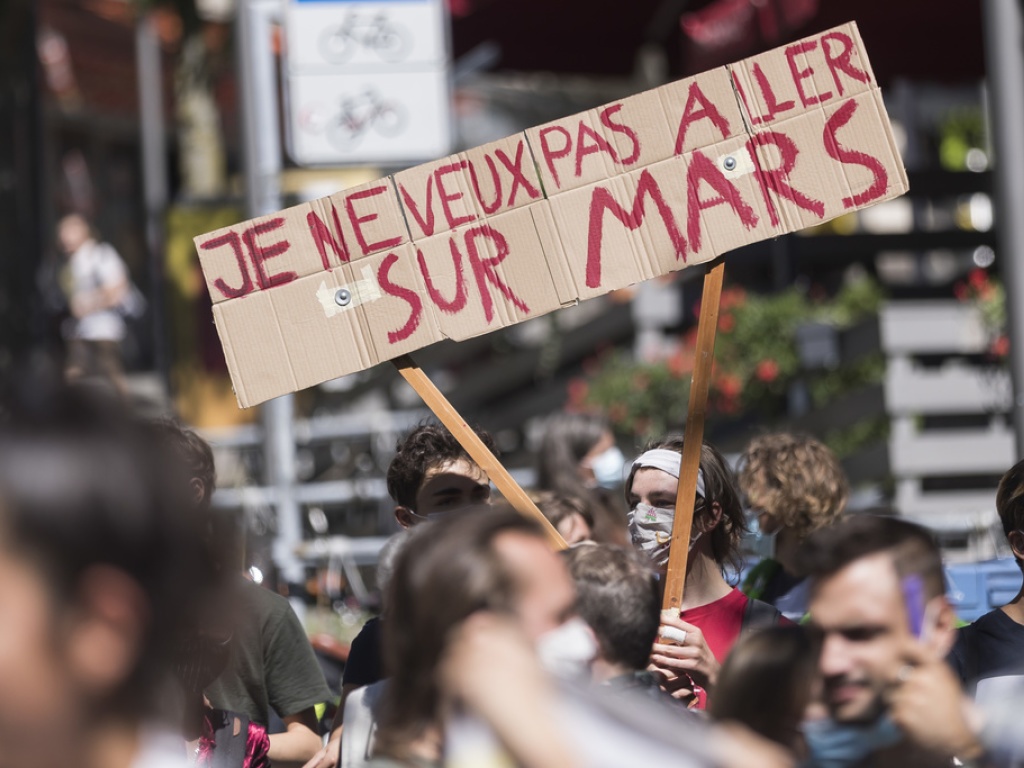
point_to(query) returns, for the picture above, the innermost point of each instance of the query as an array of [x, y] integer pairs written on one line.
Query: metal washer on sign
[[343, 297]]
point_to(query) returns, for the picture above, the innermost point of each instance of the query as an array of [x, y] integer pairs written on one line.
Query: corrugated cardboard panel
[[374, 222], [787, 81], [572, 209], [398, 319], [480, 278], [254, 349], [318, 346], [700, 111]]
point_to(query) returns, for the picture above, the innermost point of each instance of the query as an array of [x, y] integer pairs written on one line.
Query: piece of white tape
[[359, 292], [674, 634]]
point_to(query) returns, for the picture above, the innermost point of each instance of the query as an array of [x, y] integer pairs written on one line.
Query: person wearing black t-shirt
[[992, 648], [431, 475]]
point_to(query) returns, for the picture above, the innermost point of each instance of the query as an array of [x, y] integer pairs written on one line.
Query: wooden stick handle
[[693, 438], [474, 446]]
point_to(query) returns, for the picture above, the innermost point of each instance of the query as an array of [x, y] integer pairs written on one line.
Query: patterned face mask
[[651, 531]]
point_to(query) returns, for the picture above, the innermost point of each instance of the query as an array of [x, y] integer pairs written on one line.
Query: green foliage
[[756, 361]]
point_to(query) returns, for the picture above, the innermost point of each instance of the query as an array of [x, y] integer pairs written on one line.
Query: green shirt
[[271, 663]]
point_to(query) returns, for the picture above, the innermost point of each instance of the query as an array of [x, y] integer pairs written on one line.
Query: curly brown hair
[[794, 478]]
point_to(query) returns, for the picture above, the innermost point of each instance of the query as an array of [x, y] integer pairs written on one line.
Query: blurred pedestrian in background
[[794, 486], [102, 565], [578, 458], [97, 286]]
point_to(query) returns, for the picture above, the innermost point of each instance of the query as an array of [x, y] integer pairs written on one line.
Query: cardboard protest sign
[[565, 211]]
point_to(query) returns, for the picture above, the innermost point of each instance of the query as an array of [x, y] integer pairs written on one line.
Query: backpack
[[759, 614]]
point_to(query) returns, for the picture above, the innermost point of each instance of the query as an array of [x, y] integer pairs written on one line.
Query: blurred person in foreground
[[878, 604], [430, 476], [101, 566], [97, 284], [989, 653], [768, 682], [714, 613], [795, 486], [269, 662], [578, 457], [483, 612]]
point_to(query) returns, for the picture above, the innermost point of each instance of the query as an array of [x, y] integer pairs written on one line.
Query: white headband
[[667, 461]]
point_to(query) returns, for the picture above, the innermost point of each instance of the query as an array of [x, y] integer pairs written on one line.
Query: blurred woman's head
[[100, 562], [767, 682], [651, 488], [446, 570]]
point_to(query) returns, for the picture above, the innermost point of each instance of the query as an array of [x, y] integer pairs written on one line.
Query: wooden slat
[[693, 437]]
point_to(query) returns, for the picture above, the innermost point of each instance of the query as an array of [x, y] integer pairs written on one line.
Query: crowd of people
[[130, 637]]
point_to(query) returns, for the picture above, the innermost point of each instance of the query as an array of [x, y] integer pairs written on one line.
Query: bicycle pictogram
[[372, 32], [355, 116]]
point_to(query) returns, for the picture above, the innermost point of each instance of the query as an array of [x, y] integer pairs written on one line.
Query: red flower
[[726, 404], [578, 390], [1001, 346], [978, 278], [767, 370], [733, 297], [726, 323], [617, 413], [680, 363], [729, 385]]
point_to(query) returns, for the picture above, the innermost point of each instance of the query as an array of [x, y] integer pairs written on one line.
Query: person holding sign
[[713, 612]]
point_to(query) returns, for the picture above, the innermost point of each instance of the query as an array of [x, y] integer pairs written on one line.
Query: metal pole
[[1004, 63], [261, 142], [153, 144]]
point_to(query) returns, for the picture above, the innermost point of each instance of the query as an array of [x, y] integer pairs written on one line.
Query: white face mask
[[567, 650], [651, 531], [608, 467]]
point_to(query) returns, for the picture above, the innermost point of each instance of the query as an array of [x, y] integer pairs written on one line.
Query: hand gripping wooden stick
[[693, 438], [474, 446]]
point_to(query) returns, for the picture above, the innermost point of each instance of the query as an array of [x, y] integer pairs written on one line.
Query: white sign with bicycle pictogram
[[367, 82]]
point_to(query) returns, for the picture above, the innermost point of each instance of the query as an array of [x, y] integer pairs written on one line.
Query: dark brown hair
[[558, 506], [428, 445], [766, 682], [911, 548]]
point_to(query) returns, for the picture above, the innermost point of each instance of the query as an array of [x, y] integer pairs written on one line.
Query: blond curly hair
[[795, 479]]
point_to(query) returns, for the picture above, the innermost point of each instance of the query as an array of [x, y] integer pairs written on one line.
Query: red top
[[721, 622]]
